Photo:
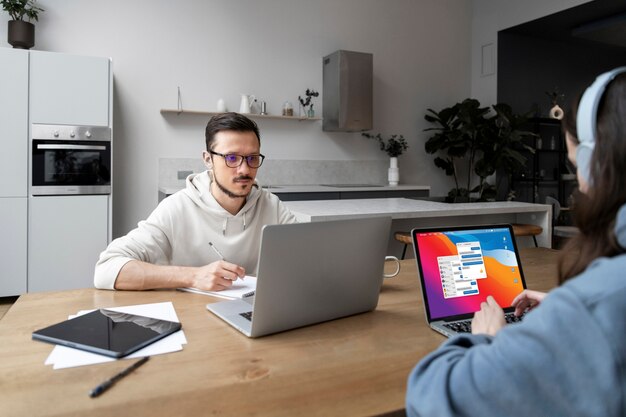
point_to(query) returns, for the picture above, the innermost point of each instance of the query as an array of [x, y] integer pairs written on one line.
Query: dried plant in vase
[[306, 102]]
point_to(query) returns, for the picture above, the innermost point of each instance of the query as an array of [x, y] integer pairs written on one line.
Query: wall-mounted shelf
[[250, 115]]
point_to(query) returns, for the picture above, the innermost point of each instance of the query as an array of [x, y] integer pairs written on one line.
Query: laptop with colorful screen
[[460, 266]]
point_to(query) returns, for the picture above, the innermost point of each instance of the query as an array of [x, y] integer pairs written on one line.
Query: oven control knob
[[72, 134], [88, 134], [56, 133]]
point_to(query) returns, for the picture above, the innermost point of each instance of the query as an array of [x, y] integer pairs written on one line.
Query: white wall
[[490, 16], [427, 53], [270, 48]]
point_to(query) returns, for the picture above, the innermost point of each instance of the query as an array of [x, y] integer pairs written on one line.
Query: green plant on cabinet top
[[18, 9]]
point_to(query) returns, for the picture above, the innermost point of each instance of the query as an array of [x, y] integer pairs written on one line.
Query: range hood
[[347, 94]]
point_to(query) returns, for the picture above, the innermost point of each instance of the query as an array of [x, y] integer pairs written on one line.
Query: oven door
[[70, 167]]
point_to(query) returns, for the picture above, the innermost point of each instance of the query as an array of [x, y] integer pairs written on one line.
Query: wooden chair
[[403, 237], [519, 229]]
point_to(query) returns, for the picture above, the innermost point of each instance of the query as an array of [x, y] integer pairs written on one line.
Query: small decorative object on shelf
[[221, 105], [287, 109], [306, 102], [179, 104], [394, 147], [21, 33], [246, 103], [556, 112]]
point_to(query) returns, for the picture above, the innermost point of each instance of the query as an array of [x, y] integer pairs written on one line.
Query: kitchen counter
[[403, 208], [409, 213]]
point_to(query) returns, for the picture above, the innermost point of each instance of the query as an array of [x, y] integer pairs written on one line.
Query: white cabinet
[[69, 89], [13, 215], [65, 238], [13, 124], [67, 233], [13, 170], [48, 243]]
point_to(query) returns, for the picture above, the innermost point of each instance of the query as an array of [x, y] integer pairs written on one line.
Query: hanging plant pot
[[21, 34]]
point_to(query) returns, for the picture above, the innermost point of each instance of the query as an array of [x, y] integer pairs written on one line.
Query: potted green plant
[[479, 140], [394, 146], [21, 32]]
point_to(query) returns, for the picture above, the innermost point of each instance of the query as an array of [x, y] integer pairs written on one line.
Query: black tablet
[[107, 332]]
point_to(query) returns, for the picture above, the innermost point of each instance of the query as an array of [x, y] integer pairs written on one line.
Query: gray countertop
[[403, 208]]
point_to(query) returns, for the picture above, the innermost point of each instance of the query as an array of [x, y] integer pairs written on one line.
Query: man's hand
[[489, 319], [217, 276], [527, 300]]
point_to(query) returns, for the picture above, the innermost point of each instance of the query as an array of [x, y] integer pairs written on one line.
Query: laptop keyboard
[[465, 326], [247, 315]]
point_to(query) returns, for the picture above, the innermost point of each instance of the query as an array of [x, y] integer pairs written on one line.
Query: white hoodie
[[179, 230]]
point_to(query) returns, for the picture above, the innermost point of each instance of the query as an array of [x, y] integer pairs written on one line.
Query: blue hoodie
[[567, 358]]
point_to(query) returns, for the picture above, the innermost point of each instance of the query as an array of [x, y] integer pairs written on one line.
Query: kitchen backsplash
[[287, 172]]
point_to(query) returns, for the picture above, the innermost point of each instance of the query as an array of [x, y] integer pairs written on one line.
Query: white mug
[[397, 271]]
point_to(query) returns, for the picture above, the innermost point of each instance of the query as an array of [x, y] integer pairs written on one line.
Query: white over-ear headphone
[[587, 118]]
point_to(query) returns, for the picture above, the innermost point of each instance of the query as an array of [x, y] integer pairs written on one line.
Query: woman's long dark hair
[[594, 212]]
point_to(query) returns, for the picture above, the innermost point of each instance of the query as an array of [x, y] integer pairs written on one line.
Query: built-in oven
[[70, 160]]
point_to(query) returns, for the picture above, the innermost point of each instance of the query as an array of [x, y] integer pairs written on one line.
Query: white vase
[[556, 112], [393, 175]]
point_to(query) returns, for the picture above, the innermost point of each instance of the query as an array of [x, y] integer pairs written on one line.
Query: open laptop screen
[[460, 266]]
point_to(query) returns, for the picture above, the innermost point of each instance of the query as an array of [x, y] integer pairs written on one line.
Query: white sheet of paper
[[65, 357]]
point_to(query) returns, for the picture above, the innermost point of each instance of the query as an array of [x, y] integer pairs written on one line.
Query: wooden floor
[[5, 304]]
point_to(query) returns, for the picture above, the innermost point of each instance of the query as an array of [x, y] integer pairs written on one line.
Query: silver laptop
[[309, 273], [460, 266]]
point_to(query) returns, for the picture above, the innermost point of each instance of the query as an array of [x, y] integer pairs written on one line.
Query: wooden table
[[354, 366]]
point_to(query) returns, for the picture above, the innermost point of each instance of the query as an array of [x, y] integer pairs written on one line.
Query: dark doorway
[[563, 51]]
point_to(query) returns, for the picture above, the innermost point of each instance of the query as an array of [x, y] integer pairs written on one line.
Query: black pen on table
[[109, 382]]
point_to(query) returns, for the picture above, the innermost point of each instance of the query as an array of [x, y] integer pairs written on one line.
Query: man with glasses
[[223, 206]]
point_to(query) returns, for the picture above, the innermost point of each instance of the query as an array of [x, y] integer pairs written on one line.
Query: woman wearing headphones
[[567, 357]]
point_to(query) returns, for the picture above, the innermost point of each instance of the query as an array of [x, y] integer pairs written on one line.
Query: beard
[[230, 193]]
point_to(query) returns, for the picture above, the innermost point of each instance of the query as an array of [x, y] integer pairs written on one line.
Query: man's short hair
[[229, 121]]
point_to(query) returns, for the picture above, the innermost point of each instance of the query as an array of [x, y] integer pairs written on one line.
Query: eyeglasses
[[234, 161]]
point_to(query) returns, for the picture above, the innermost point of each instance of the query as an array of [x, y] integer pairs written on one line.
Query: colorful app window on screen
[[460, 268]]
